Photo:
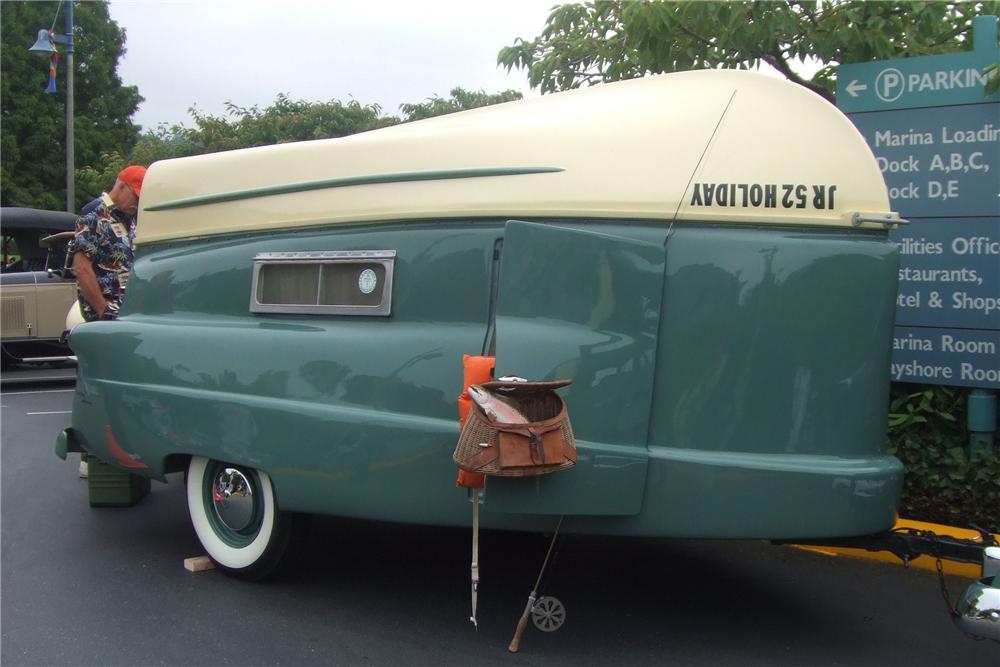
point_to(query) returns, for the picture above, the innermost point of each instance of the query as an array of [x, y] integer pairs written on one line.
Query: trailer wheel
[[236, 517]]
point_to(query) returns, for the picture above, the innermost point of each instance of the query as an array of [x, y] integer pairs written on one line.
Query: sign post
[[936, 136]]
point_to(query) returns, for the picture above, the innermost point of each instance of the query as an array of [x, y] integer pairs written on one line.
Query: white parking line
[[59, 412], [43, 391]]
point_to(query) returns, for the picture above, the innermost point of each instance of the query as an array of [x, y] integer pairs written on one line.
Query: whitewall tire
[[235, 515]]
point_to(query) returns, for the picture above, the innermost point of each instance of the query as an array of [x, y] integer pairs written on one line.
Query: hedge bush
[[927, 432]]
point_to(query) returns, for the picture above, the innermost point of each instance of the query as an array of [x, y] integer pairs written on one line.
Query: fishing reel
[[548, 613]]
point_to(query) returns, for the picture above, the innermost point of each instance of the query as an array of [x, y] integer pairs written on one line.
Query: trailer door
[[582, 306]]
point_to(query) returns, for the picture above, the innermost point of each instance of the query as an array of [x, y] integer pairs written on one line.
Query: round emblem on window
[[367, 281]]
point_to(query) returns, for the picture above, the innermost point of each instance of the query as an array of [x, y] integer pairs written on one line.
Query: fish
[[495, 407]]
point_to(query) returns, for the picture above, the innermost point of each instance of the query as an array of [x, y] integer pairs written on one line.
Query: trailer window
[[357, 282]]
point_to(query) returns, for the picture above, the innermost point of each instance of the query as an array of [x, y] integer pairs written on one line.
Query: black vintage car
[[36, 288]]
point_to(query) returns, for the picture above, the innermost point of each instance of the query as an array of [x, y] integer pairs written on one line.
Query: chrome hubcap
[[233, 499]]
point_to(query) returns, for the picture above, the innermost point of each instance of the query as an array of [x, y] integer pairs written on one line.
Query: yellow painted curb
[[967, 570]]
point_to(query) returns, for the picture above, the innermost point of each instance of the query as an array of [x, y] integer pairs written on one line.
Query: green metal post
[[981, 420]]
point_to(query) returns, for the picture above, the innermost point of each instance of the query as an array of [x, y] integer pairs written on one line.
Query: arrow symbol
[[854, 87]]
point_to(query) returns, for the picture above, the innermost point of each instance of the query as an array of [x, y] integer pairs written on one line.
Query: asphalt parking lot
[[83, 586]]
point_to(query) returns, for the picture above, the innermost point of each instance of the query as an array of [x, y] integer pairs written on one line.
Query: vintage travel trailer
[[704, 255]]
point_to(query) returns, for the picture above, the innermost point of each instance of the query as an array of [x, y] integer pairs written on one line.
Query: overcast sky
[[183, 53]]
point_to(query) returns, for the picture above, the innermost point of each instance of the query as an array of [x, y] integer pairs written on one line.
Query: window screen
[[323, 283]]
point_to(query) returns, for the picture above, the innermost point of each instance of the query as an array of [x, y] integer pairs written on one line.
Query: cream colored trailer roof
[[711, 145]]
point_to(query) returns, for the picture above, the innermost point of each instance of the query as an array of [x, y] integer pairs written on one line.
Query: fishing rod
[[522, 623]]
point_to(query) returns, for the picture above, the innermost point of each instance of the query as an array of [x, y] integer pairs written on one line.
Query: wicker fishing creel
[[543, 445]]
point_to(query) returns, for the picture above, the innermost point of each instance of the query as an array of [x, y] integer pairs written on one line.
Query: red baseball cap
[[132, 176]]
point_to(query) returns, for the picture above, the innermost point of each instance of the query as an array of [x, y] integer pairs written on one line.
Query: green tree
[[460, 100], [283, 121], [32, 143], [584, 44]]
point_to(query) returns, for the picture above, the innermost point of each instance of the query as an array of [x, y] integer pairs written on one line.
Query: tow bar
[[977, 613]]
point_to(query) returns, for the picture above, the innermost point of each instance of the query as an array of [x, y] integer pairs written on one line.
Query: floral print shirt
[[106, 236]]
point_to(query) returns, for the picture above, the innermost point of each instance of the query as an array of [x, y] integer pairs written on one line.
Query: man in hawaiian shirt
[[104, 247]]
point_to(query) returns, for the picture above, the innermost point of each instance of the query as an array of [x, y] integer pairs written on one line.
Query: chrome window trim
[[384, 257]]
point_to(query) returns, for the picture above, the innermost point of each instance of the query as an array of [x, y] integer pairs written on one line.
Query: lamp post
[[44, 46]]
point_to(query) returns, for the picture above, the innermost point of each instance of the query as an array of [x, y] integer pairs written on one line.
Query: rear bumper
[[979, 611], [979, 606]]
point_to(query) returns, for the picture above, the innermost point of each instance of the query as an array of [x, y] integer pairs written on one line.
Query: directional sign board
[[936, 137], [938, 162], [927, 81]]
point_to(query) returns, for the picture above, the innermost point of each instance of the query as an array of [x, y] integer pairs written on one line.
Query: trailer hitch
[[909, 543], [978, 610]]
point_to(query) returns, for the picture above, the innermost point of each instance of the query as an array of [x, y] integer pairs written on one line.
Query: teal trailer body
[[728, 346]]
